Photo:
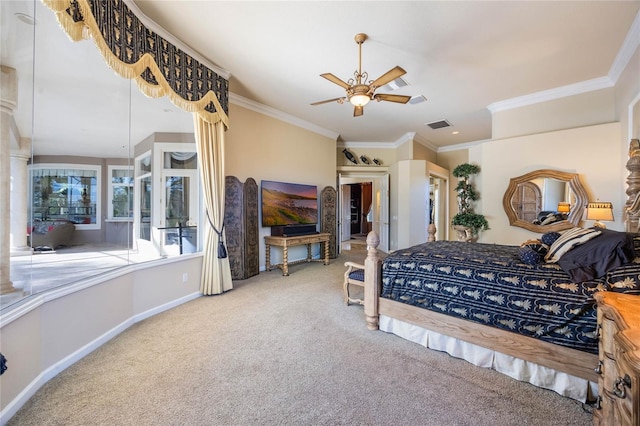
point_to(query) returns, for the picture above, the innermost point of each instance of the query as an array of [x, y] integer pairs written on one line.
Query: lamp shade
[[599, 211], [359, 100], [564, 207]]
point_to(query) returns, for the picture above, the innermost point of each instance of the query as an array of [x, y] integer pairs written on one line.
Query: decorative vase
[[350, 156]]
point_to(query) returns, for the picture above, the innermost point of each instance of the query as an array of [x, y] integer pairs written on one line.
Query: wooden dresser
[[619, 359]]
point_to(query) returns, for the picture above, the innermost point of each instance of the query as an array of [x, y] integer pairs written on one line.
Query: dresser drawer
[[619, 353], [608, 329]]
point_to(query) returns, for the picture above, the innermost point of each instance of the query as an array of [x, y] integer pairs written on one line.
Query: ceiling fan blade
[[332, 78], [358, 111], [401, 99], [390, 75], [328, 100]]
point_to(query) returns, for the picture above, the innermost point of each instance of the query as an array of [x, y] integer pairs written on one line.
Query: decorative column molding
[[20, 156], [8, 103]]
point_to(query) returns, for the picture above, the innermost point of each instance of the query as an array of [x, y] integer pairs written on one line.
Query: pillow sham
[[636, 243], [537, 246], [598, 256], [571, 238], [549, 238], [529, 256]]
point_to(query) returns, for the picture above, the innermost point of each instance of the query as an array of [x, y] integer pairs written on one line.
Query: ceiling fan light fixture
[[359, 100], [359, 91]]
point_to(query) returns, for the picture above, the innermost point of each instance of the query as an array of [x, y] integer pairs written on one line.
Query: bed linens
[[489, 284], [596, 257]]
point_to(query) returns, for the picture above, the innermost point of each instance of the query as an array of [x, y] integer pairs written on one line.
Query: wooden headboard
[[632, 206]]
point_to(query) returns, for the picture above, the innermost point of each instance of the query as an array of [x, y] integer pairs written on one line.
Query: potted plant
[[466, 222]]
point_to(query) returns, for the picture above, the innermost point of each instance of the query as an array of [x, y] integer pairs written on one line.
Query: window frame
[[110, 189], [70, 166]]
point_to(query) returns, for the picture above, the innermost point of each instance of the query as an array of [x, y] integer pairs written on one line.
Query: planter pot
[[464, 233]]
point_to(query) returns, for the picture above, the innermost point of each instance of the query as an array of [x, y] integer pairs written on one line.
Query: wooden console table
[[286, 242]]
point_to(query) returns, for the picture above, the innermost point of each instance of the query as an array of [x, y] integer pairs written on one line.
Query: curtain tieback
[[222, 250]]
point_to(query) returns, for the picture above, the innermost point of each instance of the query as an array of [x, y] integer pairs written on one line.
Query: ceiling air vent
[[439, 124], [393, 85]]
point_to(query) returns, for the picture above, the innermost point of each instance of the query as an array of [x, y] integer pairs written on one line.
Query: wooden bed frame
[[560, 358]]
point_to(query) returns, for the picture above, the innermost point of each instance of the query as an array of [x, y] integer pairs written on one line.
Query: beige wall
[[404, 151], [593, 152], [587, 134], [628, 96], [264, 148], [565, 113], [386, 155], [421, 152]]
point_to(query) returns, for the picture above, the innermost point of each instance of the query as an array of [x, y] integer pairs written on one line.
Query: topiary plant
[[466, 196]]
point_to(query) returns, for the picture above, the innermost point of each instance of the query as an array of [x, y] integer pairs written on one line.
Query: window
[[120, 200], [66, 191]]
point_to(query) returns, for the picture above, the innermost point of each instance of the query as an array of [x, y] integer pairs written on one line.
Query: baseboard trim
[[12, 408]]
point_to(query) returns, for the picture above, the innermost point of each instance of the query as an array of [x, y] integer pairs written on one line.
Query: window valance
[[134, 51]]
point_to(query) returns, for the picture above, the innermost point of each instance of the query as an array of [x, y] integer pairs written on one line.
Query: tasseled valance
[[136, 52]]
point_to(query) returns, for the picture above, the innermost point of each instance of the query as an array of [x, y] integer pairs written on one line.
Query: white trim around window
[[94, 195]]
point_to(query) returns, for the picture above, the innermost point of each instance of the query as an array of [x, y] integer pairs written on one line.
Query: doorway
[[364, 207], [438, 210]]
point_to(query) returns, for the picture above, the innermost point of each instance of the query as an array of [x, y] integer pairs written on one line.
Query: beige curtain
[[209, 126], [216, 272]]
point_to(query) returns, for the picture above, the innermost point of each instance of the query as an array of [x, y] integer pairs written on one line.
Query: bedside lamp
[[600, 211], [564, 208]]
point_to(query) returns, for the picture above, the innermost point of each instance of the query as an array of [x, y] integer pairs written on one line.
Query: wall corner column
[[20, 157], [8, 103]]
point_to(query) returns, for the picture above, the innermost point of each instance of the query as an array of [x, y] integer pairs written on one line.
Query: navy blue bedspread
[[489, 284]]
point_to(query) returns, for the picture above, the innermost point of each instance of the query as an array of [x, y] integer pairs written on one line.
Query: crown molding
[[150, 24], [629, 46], [460, 146], [426, 143], [552, 94], [279, 115], [354, 144], [409, 136]]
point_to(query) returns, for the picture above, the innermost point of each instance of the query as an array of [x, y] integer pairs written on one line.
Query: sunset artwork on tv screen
[[289, 204]]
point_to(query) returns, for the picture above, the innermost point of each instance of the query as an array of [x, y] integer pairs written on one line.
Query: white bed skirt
[[566, 385]]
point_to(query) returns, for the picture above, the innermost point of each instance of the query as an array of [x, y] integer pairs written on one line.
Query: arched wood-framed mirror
[[552, 187]]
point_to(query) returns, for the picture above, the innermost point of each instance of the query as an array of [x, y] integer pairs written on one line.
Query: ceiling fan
[[359, 93]]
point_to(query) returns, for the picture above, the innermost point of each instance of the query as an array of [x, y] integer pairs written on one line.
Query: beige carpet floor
[[283, 351]]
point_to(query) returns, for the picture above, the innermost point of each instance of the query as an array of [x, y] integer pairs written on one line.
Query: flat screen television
[[285, 204]]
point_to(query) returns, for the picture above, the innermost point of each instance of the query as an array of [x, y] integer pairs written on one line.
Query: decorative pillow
[[551, 218], [571, 238], [636, 244], [529, 255], [537, 246], [597, 257], [549, 238]]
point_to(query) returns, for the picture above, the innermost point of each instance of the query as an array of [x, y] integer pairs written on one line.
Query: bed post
[[372, 283], [632, 206]]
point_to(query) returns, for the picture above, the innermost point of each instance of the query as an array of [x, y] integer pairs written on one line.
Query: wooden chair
[[353, 275]]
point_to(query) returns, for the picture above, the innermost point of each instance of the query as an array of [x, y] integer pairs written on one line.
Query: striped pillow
[[568, 240]]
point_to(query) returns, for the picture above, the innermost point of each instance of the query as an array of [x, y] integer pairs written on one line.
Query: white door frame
[[441, 173], [379, 202]]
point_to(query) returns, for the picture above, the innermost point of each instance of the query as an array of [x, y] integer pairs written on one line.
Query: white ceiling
[[462, 56]]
